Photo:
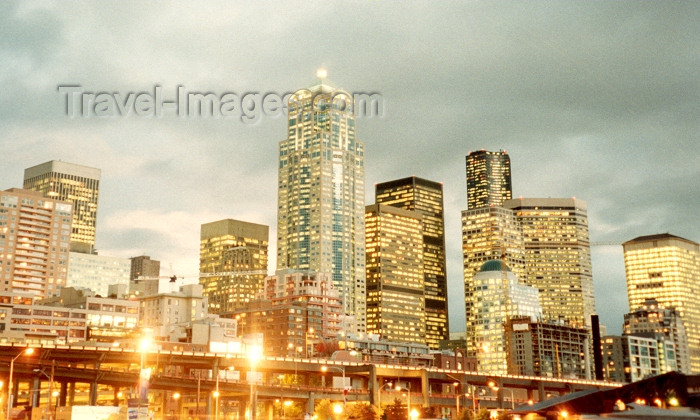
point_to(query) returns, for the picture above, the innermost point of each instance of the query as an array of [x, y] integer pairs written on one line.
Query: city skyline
[[599, 94]]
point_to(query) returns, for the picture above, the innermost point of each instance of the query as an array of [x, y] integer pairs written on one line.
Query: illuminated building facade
[[629, 358], [655, 321], [395, 278], [546, 349], [425, 197], [488, 178], [667, 268], [320, 220], [557, 256], [97, 272], [497, 297], [230, 247], [68, 318], [34, 242], [314, 294], [76, 184]]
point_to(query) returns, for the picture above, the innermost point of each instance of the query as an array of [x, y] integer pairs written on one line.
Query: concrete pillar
[[115, 399], [424, 387], [270, 409], [35, 392], [372, 385], [530, 394], [64, 393], [71, 393], [310, 403], [93, 393], [242, 403], [540, 389]]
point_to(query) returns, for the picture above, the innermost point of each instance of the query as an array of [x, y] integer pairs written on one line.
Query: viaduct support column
[[540, 388], [424, 387], [373, 386]]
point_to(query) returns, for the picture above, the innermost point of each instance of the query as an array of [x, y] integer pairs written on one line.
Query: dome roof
[[494, 265]]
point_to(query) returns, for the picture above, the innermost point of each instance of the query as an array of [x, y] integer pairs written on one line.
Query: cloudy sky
[[597, 100]]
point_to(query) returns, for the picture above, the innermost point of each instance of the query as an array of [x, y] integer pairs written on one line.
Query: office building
[[97, 272], [320, 220], [144, 276], [76, 184], [72, 317], [395, 279], [34, 242], [498, 296], [425, 197], [488, 179], [557, 256], [664, 324], [546, 349], [318, 307], [666, 267], [629, 358], [232, 263]]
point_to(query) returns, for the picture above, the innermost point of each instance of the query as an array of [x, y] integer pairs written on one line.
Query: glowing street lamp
[[254, 355], [144, 374], [27, 352], [379, 393]]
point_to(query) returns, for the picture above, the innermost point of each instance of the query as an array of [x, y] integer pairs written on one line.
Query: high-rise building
[[546, 349], [395, 279], [34, 242], [557, 255], [667, 268], [76, 184], [629, 358], [665, 325], [232, 263], [425, 197], [97, 272], [489, 233], [488, 179], [498, 296], [145, 268], [320, 219], [313, 300]]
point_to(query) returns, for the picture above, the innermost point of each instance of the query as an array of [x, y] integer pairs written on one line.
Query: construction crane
[[174, 278]]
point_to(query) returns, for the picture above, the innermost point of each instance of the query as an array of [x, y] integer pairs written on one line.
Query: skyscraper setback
[[666, 267], [425, 198], [320, 219], [488, 179], [76, 184]]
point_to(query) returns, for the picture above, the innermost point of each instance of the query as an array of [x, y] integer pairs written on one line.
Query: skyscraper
[[34, 242], [320, 219], [498, 296], [229, 247], [425, 198], [395, 279], [76, 184], [667, 268], [557, 256], [488, 178]]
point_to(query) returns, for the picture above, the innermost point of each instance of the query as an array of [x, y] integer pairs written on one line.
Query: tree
[[468, 414], [324, 411], [395, 411], [361, 411]]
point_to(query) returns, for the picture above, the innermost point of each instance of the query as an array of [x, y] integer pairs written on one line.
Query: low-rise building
[[629, 358]]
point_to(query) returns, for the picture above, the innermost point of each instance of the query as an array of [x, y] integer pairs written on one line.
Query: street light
[[408, 399], [379, 393], [325, 368], [254, 355], [28, 352], [144, 374], [512, 398]]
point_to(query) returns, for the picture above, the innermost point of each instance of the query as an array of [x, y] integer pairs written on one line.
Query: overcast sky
[[597, 100]]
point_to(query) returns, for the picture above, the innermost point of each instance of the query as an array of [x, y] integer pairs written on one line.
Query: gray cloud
[[597, 100]]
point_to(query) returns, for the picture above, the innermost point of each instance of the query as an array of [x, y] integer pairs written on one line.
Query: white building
[[97, 272]]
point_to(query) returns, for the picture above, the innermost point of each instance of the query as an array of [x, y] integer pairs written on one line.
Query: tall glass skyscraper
[[76, 184], [667, 268], [320, 219], [425, 198], [488, 179]]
